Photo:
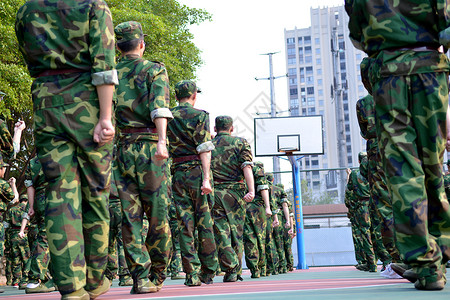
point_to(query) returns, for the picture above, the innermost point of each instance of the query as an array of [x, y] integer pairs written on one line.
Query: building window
[[310, 79], [346, 117], [347, 128], [311, 101], [307, 40], [350, 160], [308, 59], [304, 112], [302, 75], [311, 111], [310, 90], [317, 51], [303, 101], [293, 81], [292, 71], [319, 71], [321, 103], [316, 185], [320, 92], [347, 138], [293, 91], [302, 92], [308, 51], [291, 51], [319, 82], [317, 41], [290, 41], [291, 61], [294, 102], [309, 70], [300, 40], [360, 88], [318, 61], [358, 56], [294, 111], [343, 66], [349, 149]]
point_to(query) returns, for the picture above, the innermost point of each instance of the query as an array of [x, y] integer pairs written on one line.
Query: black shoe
[[230, 277], [206, 278]]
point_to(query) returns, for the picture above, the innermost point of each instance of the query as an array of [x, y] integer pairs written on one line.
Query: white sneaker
[[32, 285], [389, 273]]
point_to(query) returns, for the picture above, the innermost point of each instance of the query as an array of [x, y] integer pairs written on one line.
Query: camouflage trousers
[[116, 257], [143, 182], [175, 262], [375, 234], [383, 205], [278, 233], [287, 241], [411, 129], [364, 223], [272, 259], [194, 213], [229, 217], [78, 174], [20, 254], [254, 237], [356, 236], [40, 254]]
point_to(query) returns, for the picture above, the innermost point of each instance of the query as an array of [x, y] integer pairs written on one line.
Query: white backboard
[[303, 135]]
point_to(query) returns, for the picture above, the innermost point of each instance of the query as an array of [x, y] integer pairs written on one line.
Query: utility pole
[[273, 111], [337, 95]]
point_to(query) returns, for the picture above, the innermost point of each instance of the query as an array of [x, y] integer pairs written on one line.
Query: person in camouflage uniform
[[7, 195], [116, 257], [409, 82], [272, 259], [231, 163], [20, 250], [255, 225], [351, 203], [69, 50], [282, 210], [190, 148], [39, 282], [288, 232], [380, 207], [174, 267], [361, 191], [142, 114]]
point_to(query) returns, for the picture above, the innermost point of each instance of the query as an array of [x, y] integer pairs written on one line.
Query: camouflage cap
[[185, 89], [224, 122], [280, 185], [128, 31], [2, 162]]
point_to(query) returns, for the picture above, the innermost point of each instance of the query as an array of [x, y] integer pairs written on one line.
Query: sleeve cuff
[[284, 200], [28, 183], [205, 147], [277, 211], [105, 77], [247, 163], [161, 113], [26, 216], [291, 214], [262, 187]]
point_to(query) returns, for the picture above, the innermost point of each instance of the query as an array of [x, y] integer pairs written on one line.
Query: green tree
[[169, 40], [311, 198]]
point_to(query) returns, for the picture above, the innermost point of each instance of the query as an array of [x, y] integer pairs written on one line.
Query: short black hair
[[129, 45]]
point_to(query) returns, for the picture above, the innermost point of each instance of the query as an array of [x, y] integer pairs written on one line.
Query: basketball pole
[[297, 187]]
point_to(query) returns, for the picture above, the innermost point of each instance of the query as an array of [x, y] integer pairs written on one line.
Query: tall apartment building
[[315, 78]]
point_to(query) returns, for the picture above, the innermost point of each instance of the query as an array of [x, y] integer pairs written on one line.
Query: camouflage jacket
[[188, 132], [15, 214], [6, 192], [67, 35], [447, 185], [377, 25], [361, 186], [261, 182], [6, 142], [143, 92], [280, 197], [34, 176], [365, 111], [230, 155]]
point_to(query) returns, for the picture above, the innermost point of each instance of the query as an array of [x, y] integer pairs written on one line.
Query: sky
[[232, 45]]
